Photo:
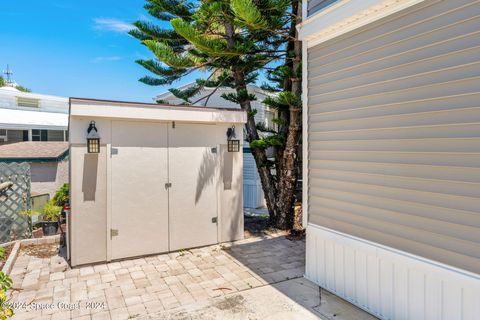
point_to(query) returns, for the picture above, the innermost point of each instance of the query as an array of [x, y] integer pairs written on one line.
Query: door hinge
[[113, 233], [214, 220], [173, 124], [168, 185], [113, 151]]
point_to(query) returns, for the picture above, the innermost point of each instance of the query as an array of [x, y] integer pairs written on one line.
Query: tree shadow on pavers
[[270, 260]]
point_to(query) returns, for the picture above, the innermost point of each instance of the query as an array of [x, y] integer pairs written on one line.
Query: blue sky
[[76, 48]]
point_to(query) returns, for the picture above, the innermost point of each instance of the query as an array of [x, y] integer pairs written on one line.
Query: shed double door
[[163, 188]]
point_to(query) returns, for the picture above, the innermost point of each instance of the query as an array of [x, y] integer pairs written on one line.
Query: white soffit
[[347, 15], [23, 119], [144, 111]]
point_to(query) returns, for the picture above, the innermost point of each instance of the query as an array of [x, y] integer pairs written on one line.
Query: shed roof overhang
[[80, 107]]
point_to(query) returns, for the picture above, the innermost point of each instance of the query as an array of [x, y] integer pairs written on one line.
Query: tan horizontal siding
[[433, 212], [465, 174], [405, 20], [394, 132]]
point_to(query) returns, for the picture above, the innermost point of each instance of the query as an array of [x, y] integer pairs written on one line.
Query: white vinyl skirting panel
[[389, 283], [252, 188]]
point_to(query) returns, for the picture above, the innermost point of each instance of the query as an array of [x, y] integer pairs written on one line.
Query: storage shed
[[165, 178]]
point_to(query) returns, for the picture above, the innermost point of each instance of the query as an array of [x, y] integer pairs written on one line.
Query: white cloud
[[110, 24], [104, 59]]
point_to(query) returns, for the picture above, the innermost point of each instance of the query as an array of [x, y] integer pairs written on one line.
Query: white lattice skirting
[[389, 283]]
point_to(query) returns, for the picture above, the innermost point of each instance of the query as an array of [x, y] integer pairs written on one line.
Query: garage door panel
[[139, 198]]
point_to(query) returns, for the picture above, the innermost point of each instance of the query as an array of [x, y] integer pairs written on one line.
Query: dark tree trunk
[[279, 193], [266, 178], [287, 184]]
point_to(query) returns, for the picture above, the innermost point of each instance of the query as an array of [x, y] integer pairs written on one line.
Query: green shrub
[[5, 284], [62, 196], [29, 213], [51, 212]]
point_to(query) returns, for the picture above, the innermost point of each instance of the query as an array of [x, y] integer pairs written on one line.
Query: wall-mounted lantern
[[93, 139], [232, 143]]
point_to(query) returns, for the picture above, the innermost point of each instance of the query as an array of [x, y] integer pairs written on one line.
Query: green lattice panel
[[13, 200]]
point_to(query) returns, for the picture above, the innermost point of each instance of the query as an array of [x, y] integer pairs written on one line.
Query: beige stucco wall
[[91, 188], [48, 177]]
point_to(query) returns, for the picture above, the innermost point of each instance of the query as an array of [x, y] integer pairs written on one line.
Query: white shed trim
[[147, 111]]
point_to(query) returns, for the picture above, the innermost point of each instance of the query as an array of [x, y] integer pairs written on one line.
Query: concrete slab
[[296, 299]]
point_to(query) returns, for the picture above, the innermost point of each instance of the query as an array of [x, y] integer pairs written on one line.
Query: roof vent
[[27, 102]]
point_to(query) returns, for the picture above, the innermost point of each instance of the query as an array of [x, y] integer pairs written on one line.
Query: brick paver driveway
[[46, 288]]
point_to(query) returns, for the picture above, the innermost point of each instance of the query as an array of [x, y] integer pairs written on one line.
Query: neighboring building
[[392, 154], [26, 116], [33, 129], [48, 163], [252, 188]]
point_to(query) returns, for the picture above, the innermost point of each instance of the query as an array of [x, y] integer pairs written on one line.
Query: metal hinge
[[113, 233], [113, 151], [168, 185], [173, 124], [214, 220]]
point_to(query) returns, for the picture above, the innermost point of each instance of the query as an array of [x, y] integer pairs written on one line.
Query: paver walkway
[[46, 288]]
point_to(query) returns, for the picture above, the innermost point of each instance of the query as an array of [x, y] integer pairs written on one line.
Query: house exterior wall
[[91, 184], [48, 177], [317, 5], [14, 136], [41, 112], [253, 196], [393, 170], [46, 103]]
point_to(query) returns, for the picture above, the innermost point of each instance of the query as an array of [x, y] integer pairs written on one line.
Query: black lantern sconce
[[93, 139], [233, 144]]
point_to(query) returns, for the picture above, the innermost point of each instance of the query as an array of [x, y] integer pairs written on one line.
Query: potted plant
[[50, 217], [62, 198]]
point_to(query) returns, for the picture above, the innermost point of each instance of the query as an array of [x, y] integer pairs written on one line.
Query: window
[[269, 115], [39, 135], [27, 102]]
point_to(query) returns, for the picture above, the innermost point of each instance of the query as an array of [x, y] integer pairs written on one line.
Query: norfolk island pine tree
[[233, 42]]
